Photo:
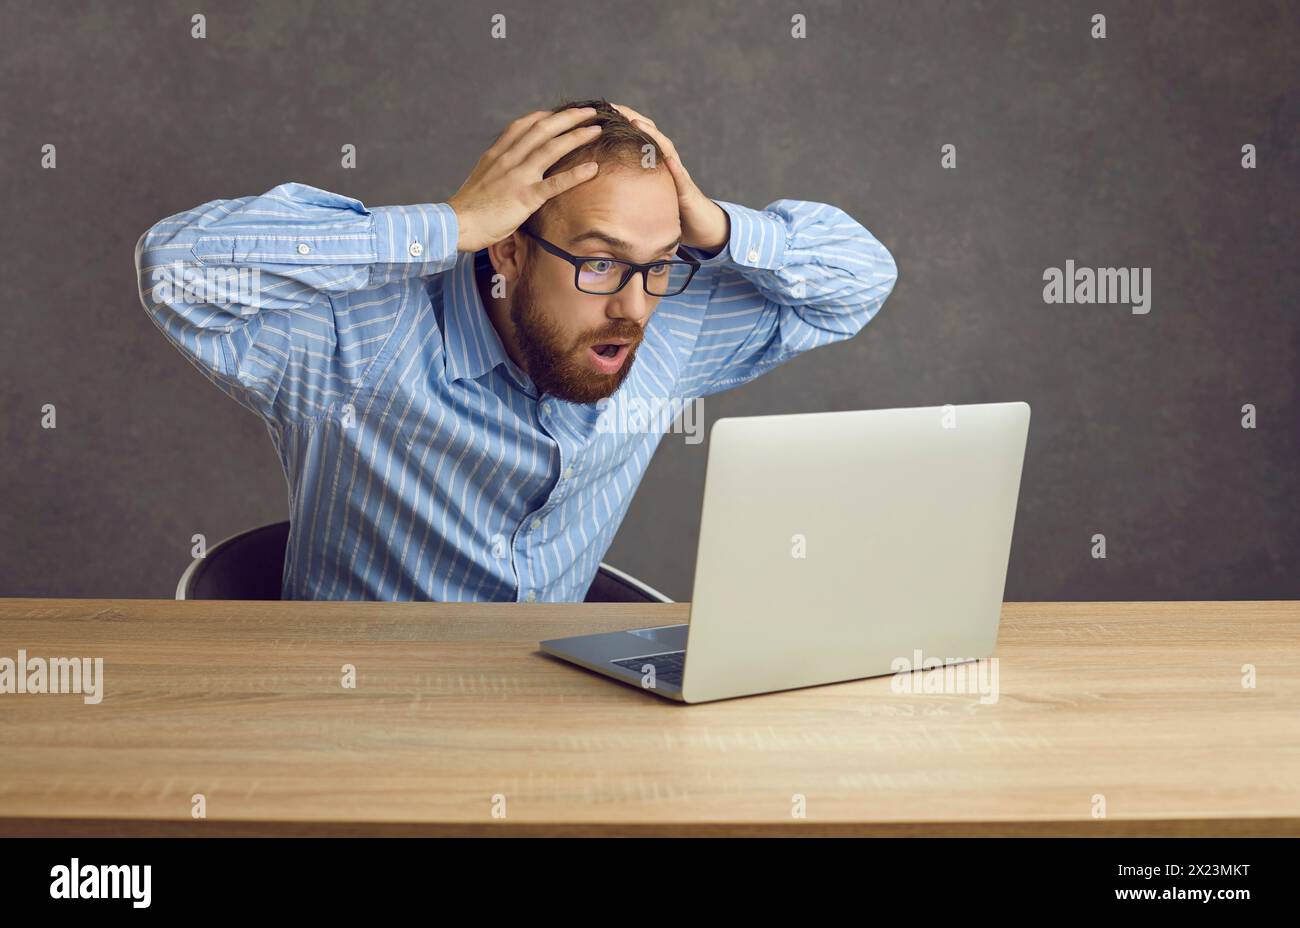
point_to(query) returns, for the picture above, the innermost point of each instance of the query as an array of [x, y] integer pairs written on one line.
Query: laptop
[[831, 545]]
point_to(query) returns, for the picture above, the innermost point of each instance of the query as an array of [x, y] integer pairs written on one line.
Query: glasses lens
[[667, 279], [601, 275], [605, 275]]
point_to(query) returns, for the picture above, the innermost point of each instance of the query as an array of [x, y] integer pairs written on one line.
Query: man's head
[[627, 211]]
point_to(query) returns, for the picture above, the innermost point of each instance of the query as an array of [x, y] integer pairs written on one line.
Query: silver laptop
[[832, 544]]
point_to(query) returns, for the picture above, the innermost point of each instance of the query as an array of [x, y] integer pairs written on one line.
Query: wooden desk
[[241, 701]]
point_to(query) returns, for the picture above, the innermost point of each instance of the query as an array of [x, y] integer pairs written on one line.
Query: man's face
[[558, 326]]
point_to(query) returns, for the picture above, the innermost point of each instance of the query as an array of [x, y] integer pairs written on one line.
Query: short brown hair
[[619, 143]]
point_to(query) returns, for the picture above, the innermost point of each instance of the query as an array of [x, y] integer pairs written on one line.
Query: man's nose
[[632, 302]]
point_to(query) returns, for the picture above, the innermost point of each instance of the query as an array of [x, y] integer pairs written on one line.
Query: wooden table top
[[459, 725]]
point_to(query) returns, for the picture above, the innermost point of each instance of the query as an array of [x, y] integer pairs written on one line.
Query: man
[[434, 376]]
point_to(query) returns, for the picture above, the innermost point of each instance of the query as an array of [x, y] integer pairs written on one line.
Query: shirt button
[[532, 596], [546, 407], [753, 255], [303, 248], [537, 523], [568, 472], [416, 249]]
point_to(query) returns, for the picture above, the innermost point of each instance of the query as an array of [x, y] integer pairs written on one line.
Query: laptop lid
[[833, 543]]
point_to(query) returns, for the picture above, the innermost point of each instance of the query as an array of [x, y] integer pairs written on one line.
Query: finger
[[556, 184], [630, 113], [665, 143], [516, 128], [687, 192], [680, 177], [552, 151], [667, 154], [686, 189], [647, 126], [542, 131], [667, 151]]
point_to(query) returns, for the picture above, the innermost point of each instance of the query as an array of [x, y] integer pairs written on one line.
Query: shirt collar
[[472, 345]]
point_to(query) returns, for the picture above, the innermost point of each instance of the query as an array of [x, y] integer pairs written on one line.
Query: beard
[[558, 365]]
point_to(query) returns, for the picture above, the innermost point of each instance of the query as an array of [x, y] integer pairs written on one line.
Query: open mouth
[[608, 357]]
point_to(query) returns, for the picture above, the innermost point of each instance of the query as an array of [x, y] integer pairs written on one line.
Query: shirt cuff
[[758, 239], [421, 239]]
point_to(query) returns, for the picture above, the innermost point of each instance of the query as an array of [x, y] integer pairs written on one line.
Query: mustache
[[634, 332]]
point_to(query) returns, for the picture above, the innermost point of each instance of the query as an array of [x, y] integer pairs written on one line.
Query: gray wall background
[[1117, 152]]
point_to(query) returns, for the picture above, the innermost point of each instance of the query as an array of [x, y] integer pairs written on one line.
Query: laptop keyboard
[[668, 667]]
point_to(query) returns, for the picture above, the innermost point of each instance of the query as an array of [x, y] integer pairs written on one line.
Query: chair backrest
[[245, 566], [611, 585], [250, 565]]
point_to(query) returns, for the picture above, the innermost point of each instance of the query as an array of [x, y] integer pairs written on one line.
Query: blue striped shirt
[[422, 464]]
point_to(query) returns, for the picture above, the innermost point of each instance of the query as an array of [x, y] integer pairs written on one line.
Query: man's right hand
[[507, 187]]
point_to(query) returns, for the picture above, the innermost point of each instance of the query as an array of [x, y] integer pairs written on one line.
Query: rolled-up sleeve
[[257, 291], [792, 277]]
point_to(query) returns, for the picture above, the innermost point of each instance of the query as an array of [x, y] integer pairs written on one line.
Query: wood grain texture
[[1142, 703]]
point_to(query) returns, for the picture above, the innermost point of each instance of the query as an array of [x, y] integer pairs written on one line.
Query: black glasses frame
[[629, 267]]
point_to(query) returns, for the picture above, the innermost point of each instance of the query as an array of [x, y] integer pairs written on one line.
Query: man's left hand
[[705, 225]]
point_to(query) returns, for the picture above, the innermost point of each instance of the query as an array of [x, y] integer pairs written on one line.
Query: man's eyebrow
[[617, 244]]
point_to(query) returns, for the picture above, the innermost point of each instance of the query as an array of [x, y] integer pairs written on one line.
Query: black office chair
[[249, 566]]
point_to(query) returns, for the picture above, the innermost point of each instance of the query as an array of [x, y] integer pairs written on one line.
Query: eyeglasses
[[609, 275]]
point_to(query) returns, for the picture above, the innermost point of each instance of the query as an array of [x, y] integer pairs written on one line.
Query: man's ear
[[508, 256]]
